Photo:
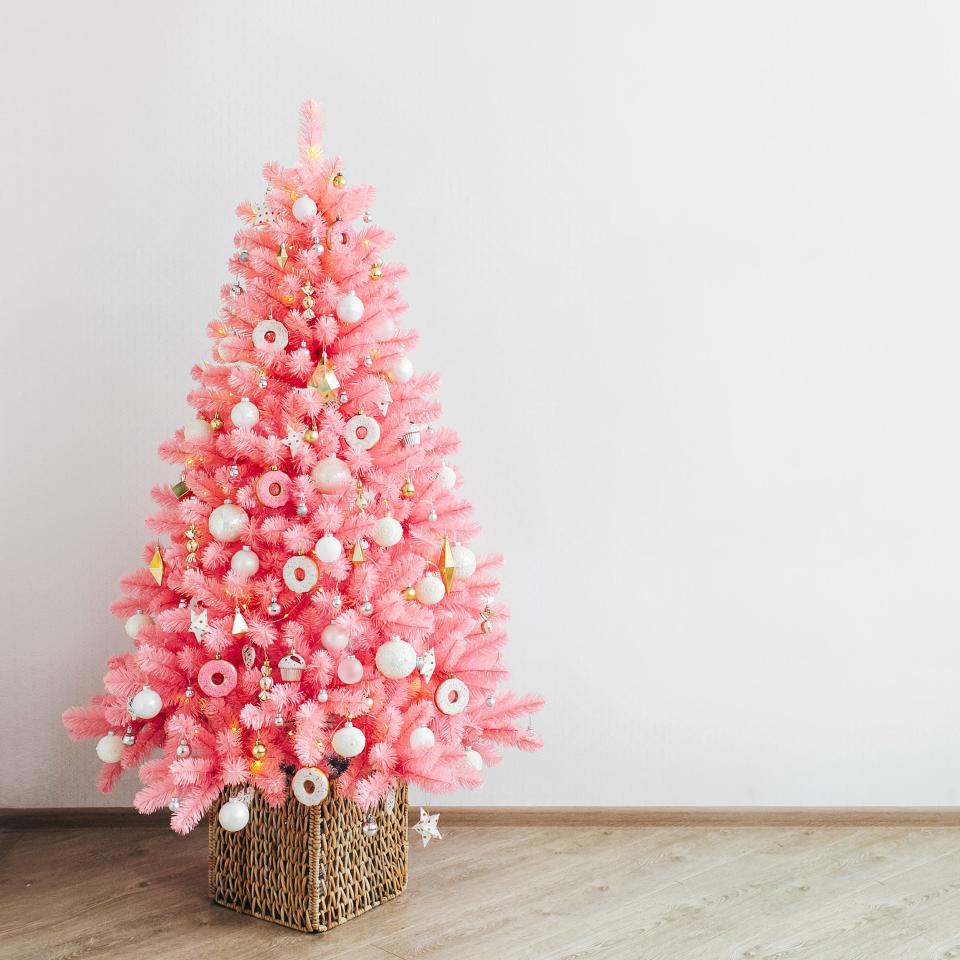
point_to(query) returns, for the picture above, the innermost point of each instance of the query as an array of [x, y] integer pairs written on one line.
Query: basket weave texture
[[309, 868]]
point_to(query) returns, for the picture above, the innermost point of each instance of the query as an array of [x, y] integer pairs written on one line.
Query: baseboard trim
[[40, 818]]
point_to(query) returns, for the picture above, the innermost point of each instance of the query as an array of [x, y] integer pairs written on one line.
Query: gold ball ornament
[[339, 180], [376, 272], [311, 434], [407, 490], [409, 594], [258, 750], [216, 423]]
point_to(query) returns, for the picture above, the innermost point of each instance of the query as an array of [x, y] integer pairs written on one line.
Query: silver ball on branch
[[369, 827], [174, 805], [183, 749]]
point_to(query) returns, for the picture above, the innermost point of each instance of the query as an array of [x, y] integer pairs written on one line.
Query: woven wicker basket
[[309, 868]]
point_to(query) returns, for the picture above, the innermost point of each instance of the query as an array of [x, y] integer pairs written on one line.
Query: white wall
[[690, 273]]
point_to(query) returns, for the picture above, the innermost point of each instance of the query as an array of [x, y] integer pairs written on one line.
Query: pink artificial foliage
[[296, 272]]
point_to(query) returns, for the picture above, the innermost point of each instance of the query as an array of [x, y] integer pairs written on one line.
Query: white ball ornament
[[146, 704], [245, 561], [310, 786], [328, 548], [197, 430], [396, 659], [422, 738], [334, 638], [350, 670], [136, 623], [349, 308], [447, 477], [245, 413], [464, 561], [331, 475], [430, 590], [474, 759], [110, 748], [304, 209], [402, 370], [234, 815], [226, 523], [348, 741], [387, 532]]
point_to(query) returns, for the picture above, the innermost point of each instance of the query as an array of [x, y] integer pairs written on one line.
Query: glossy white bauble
[[348, 741], [226, 523], [197, 430], [350, 670], [334, 638], [245, 414], [396, 659], [447, 477], [304, 209], [136, 623], [234, 815], [402, 370], [331, 475], [146, 704], [464, 560], [474, 759], [349, 308], [245, 561], [328, 548], [110, 748], [387, 532], [430, 590], [422, 738]]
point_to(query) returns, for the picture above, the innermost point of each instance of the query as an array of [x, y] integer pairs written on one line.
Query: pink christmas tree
[[309, 606]]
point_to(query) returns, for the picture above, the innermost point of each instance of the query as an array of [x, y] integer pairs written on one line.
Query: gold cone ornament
[[155, 566], [357, 558], [324, 380], [446, 563]]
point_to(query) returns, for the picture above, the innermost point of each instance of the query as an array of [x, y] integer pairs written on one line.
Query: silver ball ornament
[[183, 749], [174, 805], [274, 608], [244, 256], [491, 701], [236, 289], [432, 516], [301, 509], [323, 696], [262, 382], [188, 693], [233, 472], [129, 738], [366, 608], [278, 720], [343, 398], [336, 600], [369, 827], [368, 361]]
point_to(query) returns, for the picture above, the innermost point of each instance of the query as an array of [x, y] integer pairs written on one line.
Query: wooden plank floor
[[512, 893]]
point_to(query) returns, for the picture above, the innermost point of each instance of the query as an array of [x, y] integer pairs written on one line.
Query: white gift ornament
[[146, 704], [396, 658], [348, 741], [226, 523], [110, 748], [291, 667], [234, 815]]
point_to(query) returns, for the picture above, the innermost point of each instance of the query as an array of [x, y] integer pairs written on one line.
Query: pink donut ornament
[[341, 237], [217, 678], [273, 488]]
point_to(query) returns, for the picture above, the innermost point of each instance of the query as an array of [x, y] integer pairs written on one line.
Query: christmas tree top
[[309, 608]]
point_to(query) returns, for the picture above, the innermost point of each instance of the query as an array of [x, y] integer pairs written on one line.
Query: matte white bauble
[[386, 328], [396, 658], [447, 477], [474, 759], [331, 475], [146, 704], [348, 741], [304, 209], [430, 590], [136, 623], [349, 308], [422, 738], [110, 748], [334, 638], [245, 413], [328, 548], [402, 370], [226, 523], [350, 670], [464, 561], [245, 561], [234, 815], [387, 531], [197, 430]]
